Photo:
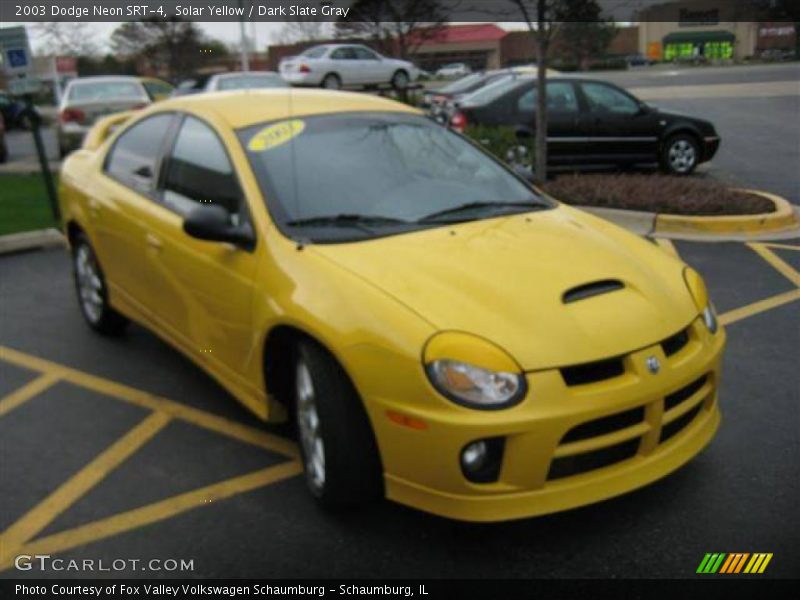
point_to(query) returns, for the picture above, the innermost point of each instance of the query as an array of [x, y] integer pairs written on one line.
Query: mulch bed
[[656, 193]]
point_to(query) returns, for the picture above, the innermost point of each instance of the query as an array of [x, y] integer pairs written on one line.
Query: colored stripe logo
[[733, 563]]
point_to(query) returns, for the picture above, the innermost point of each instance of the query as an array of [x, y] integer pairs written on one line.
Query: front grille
[[605, 425], [568, 466], [575, 464], [592, 372], [684, 393], [676, 426], [674, 344]]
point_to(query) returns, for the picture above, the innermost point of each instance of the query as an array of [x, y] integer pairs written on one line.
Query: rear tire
[[332, 81], [340, 455], [680, 155], [90, 285]]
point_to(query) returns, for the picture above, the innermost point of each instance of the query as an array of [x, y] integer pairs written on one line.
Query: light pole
[[243, 42]]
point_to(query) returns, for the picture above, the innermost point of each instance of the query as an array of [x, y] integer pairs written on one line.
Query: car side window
[[561, 97], [346, 53], [606, 99], [134, 156], [365, 54], [156, 90], [199, 172]]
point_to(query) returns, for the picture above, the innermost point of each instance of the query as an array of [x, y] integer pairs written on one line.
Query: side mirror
[[212, 223], [523, 132]]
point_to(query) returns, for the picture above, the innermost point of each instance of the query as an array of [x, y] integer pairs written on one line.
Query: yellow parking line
[[756, 307], [667, 245], [201, 418], [79, 484], [157, 511], [26, 392], [782, 246], [776, 261]]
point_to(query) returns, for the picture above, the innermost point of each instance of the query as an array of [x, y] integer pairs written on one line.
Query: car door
[[122, 202], [370, 67], [566, 135], [343, 62], [620, 129], [202, 291]]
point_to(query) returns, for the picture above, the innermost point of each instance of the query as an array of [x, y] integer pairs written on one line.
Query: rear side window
[[346, 53], [199, 171], [561, 97], [133, 158]]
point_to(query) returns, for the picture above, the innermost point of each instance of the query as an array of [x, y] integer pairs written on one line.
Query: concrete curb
[[31, 240], [782, 219]]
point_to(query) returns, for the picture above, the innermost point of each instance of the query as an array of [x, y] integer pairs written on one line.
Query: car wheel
[[400, 80], [680, 155], [340, 456], [90, 284], [332, 82]]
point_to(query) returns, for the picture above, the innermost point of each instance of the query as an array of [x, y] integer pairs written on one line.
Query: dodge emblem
[[653, 365]]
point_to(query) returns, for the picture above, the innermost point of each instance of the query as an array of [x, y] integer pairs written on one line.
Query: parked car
[[11, 110], [638, 60], [235, 80], [3, 146], [454, 70], [87, 99], [592, 122], [440, 332], [334, 66]]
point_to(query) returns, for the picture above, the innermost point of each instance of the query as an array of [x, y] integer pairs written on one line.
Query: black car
[[593, 122], [13, 112]]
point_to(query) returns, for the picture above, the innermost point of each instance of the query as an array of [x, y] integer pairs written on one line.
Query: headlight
[[710, 319], [699, 293], [472, 371], [475, 386]]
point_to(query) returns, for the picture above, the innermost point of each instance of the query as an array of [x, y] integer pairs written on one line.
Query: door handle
[[154, 241]]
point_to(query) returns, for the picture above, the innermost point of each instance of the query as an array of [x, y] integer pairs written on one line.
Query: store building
[[708, 30]]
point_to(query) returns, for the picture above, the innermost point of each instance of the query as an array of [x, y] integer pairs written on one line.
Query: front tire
[[400, 80], [340, 456], [90, 284], [680, 155]]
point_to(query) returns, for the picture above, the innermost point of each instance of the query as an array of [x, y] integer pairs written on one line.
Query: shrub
[[499, 141]]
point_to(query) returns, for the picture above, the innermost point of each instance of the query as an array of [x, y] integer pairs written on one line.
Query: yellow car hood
[[504, 279]]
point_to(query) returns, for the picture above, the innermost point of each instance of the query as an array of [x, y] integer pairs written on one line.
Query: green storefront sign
[[693, 44]]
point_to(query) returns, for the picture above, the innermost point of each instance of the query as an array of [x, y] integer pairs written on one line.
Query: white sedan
[[454, 70], [334, 66]]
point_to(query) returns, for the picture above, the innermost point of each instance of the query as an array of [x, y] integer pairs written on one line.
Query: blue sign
[[17, 58]]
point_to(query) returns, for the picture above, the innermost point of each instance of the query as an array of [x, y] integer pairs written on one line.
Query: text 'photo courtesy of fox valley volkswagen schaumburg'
[[399, 298]]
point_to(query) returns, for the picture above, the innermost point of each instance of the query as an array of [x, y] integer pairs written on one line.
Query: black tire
[[96, 309], [331, 81], [400, 80], [352, 469], [680, 155]]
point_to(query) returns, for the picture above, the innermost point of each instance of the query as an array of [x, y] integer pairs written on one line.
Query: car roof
[[242, 108]]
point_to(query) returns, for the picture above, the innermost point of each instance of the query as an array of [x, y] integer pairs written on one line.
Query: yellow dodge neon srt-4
[[441, 332]]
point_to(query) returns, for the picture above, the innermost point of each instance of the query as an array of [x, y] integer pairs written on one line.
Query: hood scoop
[[587, 290]]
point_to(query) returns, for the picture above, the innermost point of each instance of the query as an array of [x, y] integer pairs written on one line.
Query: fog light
[[481, 460]]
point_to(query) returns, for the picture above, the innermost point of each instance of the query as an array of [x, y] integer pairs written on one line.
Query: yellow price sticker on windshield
[[275, 135]]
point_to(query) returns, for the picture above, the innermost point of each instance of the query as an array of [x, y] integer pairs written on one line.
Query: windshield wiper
[[474, 205], [345, 220]]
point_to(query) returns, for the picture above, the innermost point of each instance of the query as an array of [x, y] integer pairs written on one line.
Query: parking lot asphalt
[[120, 448]]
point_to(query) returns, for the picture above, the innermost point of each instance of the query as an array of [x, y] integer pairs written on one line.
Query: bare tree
[[302, 30], [541, 17], [584, 32], [65, 38], [400, 26]]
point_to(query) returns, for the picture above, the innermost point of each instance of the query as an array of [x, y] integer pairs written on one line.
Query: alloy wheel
[[682, 156], [90, 285], [309, 428]]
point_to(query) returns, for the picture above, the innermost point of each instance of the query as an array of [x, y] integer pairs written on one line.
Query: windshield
[[493, 91], [393, 169], [251, 82], [315, 52], [463, 84]]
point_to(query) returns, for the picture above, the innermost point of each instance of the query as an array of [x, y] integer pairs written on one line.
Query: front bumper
[[542, 472], [710, 147]]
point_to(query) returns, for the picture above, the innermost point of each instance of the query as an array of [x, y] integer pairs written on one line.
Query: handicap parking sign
[[17, 58]]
